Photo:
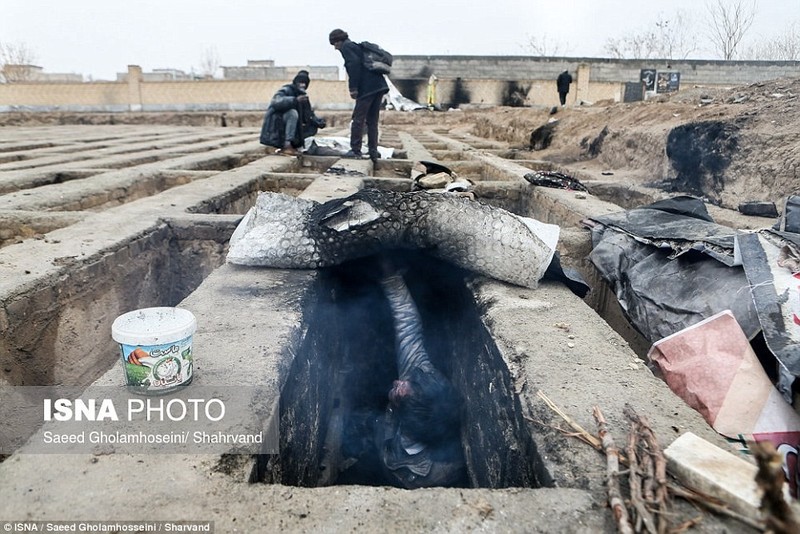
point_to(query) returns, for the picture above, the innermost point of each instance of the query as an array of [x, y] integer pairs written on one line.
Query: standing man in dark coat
[[367, 89], [563, 81], [289, 118]]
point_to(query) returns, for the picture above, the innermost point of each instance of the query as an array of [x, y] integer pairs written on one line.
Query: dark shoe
[[352, 155], [374, 156]]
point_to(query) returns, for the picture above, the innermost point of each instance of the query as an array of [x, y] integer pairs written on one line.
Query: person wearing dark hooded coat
[[562, 84], [418, 438], [289, 119], [367, 89]]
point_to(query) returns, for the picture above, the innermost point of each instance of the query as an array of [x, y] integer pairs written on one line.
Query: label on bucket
[[158, 368]]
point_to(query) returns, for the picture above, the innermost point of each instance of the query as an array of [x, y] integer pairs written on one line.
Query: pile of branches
[[647, 476], [650, 489]]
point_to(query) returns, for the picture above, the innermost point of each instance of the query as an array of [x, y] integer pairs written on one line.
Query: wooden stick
[[710, 503], [660, 463], [586, 438], [693, 496], [649, 478], [643, 515], [778, 515], [612, 471], [590, 438], [686, 525]]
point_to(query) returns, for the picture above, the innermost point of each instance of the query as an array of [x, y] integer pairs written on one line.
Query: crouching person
[[289, 119]]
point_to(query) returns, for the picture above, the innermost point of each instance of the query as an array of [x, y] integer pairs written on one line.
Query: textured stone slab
[[705, 467]]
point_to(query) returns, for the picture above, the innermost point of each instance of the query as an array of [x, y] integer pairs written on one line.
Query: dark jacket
[[563, 81], [359, 79], [272, 130]]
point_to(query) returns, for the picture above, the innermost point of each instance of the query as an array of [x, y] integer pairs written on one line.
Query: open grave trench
[[97, 221]]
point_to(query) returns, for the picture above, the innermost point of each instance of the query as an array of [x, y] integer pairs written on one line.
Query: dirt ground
[[726, 145]]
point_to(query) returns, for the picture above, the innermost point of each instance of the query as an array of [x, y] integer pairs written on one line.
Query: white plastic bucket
[[156, 348]]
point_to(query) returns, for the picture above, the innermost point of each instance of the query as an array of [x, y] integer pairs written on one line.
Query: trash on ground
[[336, 146], [713, 368], [771, 262], [759, 209], [395, 100], [555, 179], [433, 176], [680, 224]]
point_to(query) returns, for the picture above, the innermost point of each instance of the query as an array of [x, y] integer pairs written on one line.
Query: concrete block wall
[[271, 72], [475, 80], [602, 69], [33, 94], [482, 67], [257, 92], [205, 95], [496, 92]]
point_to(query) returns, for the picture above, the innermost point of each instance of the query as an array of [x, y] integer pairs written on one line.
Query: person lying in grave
[[418, 438]]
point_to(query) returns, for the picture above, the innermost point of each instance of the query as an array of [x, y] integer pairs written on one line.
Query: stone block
[[702, 466]]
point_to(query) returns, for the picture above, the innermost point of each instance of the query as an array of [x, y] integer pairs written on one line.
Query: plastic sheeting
[[770, 263], [397, 101], [680, 224], [713, 368], [336, 146], [670, 267], [771, 260]]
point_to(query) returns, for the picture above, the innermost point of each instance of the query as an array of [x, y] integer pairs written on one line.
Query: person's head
[[337, 37], [302, 80], [428, 406]]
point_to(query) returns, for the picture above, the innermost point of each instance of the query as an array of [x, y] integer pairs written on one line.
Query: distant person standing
[[562, 83], [432, 81], [367, 89]]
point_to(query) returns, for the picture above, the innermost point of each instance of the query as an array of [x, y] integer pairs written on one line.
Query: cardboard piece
[[713, 368]]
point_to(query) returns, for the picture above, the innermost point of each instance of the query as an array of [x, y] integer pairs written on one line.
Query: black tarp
[[680, 224], [671, 267]]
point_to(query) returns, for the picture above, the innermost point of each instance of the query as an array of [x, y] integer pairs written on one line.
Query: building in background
[[262, 69], [265, 69], [33, 73]]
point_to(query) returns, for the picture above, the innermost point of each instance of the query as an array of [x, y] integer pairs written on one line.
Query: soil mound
[[726, 145]]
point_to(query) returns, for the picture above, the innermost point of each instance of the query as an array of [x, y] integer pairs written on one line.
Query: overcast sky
[[99, 38]]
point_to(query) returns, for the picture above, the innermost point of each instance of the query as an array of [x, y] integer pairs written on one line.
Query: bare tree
[[635, 46], [544, 45], [667, 38], [784, 47], [676, 38], [209, 63], [729, 22], [16, 61]]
